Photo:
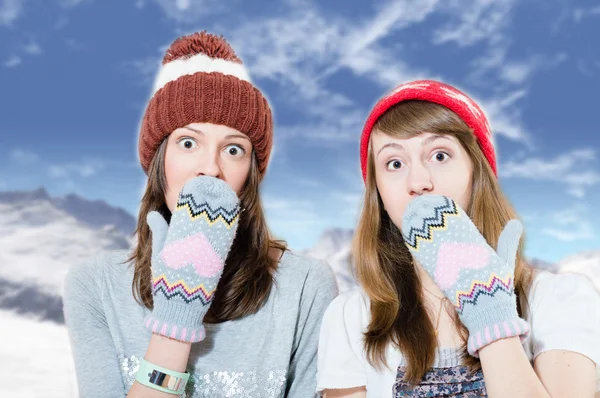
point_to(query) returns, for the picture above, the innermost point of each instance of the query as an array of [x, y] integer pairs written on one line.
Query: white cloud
[[301, 50], [517, 72], [570, 225], [510, 80], [13, 61], [73, 3], [32, 48], [74, 44], [144, 69], [579, 13], [289, 217], [492, 58], [571, 169], [183, 5], [504, 116], [308, 182], [305, 47], [302, 220], [85, 168], [579, 233], [349, 204], [293, 51], [346, 128], [493, 62], [61, 22], [66, 170], [361, 54], [10, 10], [488, 21], [480, 20], [23, 157], [188, 11], [582, 66]]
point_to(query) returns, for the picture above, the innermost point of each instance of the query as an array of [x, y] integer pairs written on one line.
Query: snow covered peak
[[40, 240], [334, 247], [332, 241], [96, 213], [21, 197], [585, 263]]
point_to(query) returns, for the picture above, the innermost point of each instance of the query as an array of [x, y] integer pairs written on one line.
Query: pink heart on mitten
[[196, 250], [455, 257]]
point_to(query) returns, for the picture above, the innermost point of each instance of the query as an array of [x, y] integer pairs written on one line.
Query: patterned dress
[[456, 381]]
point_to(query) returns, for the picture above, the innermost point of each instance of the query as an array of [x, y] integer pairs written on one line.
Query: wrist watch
[[161, 379]]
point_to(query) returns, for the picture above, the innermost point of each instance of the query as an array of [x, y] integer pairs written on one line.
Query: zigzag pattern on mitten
[[479, 288], [180, 288], [196, 210], [430, 224]]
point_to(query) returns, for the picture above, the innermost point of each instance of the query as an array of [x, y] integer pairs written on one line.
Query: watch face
[[164, 380], [157, 378]]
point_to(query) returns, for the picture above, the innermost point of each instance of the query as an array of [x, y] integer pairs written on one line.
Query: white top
[[565, 314]]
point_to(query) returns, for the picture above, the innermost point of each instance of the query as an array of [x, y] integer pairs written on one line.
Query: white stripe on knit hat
[[198, 63]]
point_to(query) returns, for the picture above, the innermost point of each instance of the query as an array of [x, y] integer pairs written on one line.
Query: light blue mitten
[[478, 280]]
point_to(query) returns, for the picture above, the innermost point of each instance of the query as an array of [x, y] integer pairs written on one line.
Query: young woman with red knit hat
[[446, 304], [207, 304]]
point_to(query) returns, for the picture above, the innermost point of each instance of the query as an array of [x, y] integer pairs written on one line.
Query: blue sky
[[75, 76]]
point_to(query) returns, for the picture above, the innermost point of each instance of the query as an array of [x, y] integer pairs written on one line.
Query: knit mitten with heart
[[188, 257], [478, 280]]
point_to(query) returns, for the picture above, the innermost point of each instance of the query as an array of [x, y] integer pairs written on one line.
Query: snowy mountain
[[586, 263], [42, 237], [31, 302], [334, 247], [36, 359], [94, 213]]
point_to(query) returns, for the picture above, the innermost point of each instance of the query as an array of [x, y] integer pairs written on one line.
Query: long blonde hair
[[247, 277], [384, 265]]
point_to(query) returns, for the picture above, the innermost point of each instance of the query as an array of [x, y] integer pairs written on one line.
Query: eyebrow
[[426, 141], [200, 132]]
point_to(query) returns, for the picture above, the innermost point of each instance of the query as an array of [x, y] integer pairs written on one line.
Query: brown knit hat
[[201, 80]]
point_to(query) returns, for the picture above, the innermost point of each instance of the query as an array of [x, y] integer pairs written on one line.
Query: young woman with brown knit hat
[[446, 305], [207, 304]]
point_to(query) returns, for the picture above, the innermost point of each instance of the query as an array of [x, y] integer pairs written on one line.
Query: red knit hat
[[440, 93], [201, 80]]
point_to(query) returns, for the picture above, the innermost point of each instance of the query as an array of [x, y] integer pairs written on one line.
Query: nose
[[419, 180], [208, 164]]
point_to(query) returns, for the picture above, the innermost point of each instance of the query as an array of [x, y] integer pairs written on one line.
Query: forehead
[[379, 139], [211, 128]]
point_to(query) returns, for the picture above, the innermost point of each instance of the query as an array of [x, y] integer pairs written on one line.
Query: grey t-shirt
[[272, 353]]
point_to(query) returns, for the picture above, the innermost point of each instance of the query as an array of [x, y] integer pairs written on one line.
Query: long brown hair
[[384, 266], [247, 277]]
